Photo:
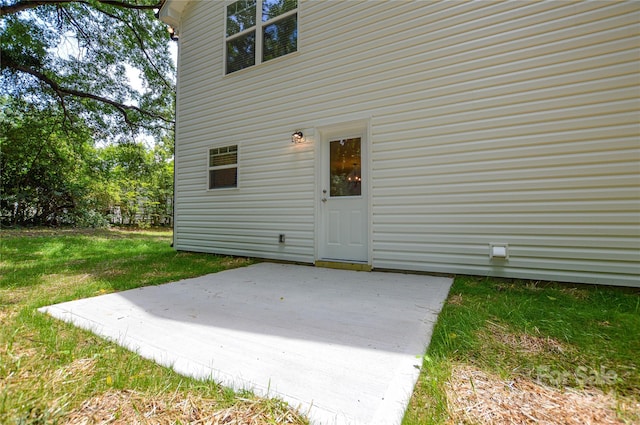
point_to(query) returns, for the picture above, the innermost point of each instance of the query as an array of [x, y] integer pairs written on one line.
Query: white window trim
[[258, 29], [221, 167]]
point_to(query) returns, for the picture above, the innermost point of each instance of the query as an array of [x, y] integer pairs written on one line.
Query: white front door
[[343, 230]]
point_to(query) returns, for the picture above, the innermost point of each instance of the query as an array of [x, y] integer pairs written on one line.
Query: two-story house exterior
[[484, 138]]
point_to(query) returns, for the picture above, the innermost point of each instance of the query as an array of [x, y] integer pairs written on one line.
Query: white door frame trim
[[323, 133]]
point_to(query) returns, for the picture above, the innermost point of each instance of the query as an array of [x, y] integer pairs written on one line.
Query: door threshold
[[360, 267]]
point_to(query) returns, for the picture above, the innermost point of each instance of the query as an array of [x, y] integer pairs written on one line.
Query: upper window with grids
[[259, 30]]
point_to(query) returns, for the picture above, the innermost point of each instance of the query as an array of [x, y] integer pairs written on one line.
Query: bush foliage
[[52, 176]]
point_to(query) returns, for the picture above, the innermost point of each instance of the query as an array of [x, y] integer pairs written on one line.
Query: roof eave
[[171, 12]]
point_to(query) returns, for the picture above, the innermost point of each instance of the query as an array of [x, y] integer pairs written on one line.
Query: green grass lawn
[[52, 372], [563, 336], [559, 336]]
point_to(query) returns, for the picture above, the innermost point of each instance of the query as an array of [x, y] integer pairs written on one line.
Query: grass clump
[[52, 372], [556, 337]]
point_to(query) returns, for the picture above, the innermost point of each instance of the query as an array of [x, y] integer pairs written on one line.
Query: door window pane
[[345, 167]]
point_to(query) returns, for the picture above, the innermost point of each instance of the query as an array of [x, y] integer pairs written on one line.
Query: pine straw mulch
[[478, 397], [132, 408]]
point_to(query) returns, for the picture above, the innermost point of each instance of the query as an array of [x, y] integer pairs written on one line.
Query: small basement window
[[223, 167]]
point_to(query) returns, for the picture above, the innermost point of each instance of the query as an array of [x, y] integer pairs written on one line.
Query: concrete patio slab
[[343, 346]]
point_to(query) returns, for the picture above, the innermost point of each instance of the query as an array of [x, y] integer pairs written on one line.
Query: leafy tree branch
[[80, 54], [141, 44], [62, 92], [21, 5]]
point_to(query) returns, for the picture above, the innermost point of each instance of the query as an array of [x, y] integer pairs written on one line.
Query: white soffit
[[171, 12]]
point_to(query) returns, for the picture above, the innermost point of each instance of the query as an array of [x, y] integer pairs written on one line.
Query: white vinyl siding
[[490, 122]]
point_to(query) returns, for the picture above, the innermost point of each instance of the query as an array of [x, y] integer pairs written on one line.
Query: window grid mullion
[[259, 24], [277, 18], [241, 33], [219, 167]]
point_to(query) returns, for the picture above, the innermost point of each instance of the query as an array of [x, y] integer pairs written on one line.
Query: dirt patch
[[8, 308], [522, 342], [14, 296], [63, 281], [133, 408], [477, 397], [111, 273], [77, 370], [236, 261], [455, 299], [577, 293], [6, 315]]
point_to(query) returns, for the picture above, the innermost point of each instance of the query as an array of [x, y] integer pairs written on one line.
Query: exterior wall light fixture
[[173, 33], [297, 137]]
